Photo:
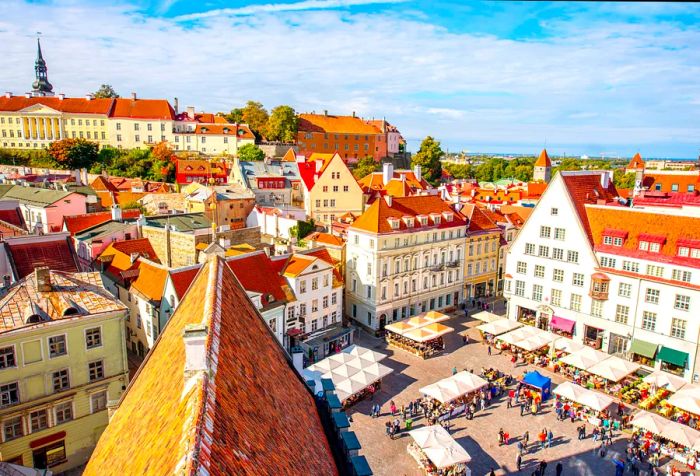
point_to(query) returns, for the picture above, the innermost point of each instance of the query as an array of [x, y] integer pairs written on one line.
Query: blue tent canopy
[[537, 380]]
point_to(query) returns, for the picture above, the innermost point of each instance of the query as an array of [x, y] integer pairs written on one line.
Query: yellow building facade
[[62, 361], [481, 254]]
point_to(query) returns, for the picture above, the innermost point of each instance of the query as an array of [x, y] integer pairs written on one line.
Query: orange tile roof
[[323, 254], [239, 130], [67, 105], [374, 219], [325, 238], [57, 254], [523, 212], [143, 109], [120, 253], [667, 180], [586, 188], [290, 155], [150, 282], [101, 184], [107, 199], [78, 223], [256, 273], [638, 223], [480, 219], [543, 160], [199, 166], [335, 124], [375, 181], [536, 189], [242, 416], [81, 291], [296, 264], [636, 162]]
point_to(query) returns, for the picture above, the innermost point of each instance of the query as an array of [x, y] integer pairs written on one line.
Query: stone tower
[[41, 85], [543, 168]]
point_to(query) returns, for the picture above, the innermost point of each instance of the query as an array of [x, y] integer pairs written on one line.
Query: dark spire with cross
[[41, 86]]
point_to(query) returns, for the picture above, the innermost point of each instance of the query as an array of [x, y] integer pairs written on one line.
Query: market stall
[[355, 373], [498, 327], [420, 335], [588, 404], [666, 437], [539, 382], [567, 346], [661, 379], [486, 316], [437, 452], [451, 388], [584, 358], [530, 342], [614, 368], [687, 400]]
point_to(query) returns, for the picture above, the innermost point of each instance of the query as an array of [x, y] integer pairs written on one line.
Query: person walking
[[520, 448], [550, 437], [454, 370], [518, 461], [489, 349], [392, 407], [500, 437], [559, 468], [542, 436], [526, 440]]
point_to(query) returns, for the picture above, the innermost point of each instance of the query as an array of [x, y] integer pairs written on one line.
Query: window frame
[[65, 345]]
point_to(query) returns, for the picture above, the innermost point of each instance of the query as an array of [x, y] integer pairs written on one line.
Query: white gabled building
[[586, 266], [404, 256]]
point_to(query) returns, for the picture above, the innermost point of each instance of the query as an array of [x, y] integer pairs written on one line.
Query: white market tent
[[589, 398], [536, 342], [519, 334], [614, 368], [453, 387], [681, 434], [650, 422], [427, 332], [486, 316], [662, 379], [567, 345], [585, 358], [687, 398], [422, 327], [499, 327], [437, 444], [351, 371]]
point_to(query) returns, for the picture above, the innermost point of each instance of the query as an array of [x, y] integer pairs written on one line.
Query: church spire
[[41, 85]]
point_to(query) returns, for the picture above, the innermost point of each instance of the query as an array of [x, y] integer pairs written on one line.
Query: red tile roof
[[119, 255], [644, 225], [375, 181], [256, 273], [249, 413], [13, 217], [77, 223], [323, 254], [586, 188], [182, 278], [665, 199], [143, 109], [69, 105], [374, 219], [480, 219], [241, 131], [543, 160], [103, 184], [309, 170], [57, 254], [636, 162], [335, 124], [325, 238]]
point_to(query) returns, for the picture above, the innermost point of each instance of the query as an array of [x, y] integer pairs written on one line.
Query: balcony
[[453, 264], [436, 268], [600, 284]]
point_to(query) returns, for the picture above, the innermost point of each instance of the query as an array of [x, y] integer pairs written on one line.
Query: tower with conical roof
[[41, 85], [543, 168]]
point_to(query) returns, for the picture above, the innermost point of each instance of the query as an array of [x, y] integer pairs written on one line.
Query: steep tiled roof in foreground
[[248, 414]]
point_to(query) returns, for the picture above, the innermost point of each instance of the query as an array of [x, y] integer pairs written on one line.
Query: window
[[572, 256], [314, 305], [93, 338], [607, 262], [369, 292], [543, 251], [64, 412], [325, 188], [596, 308], [678, 328], [607, 240], [644, 245], [60, 380], [96, 370], [558, 253], [545, 232], [558, 275], [577, 279], [554, 212], [39, 420], [539, 271], [653, 270], [137, 138], [537, 292], [559, 234], [529, 249], [556, 297], [149, 126], [9, 394], [680, 275], [314, 284], [631, 266], [346, 188], [575, 302], [7, 357], [522, 267], [652, 296], [649, 321], [682, 302], [625, 290], [12, 428], [519, 288], [617, 241], [57, 346], [136, 126], [622, 313], [302, 287]]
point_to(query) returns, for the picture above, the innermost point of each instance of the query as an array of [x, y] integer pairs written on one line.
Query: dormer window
[[651, 243], [225, 130], [409, 221], [436, 218], [614, 237], [204, 130], [423, 220], [688, 248], [394, 223], [448, 216]]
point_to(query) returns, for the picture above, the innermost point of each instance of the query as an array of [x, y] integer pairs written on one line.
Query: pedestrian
[[506, 438], [500, 437], [392, 407], [473, 302], [518, 461], [526, 440], [542, 436], [454, 370], [388, 429], [522, 408], [489, 349], [609, 437], [520, 447], [549, 438], [559, 468], [533, 408], [410, 408]]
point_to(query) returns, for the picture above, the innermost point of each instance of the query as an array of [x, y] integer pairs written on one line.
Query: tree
[[250, 153], [624, 180], [106, 91], [255, 115], [235, 116], [301, 230], [364, 167], [282, 124], [163, 152], [428, 157], [74, 153]]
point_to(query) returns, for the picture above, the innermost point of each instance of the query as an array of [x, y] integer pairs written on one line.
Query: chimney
[[88, 97], [133, 96], [319, 164], [42, 278], [353, 113], [325, 112], [605, 179], [78, 178], [27, 95], [417, 172], [388, 199], [116, 212], [190, 111], [8, 94], [298, 359], [387, 172], [195, 337], [61, 96], [176, 106]]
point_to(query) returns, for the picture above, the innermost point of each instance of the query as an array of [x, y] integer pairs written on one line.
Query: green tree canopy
[[282, 124], [106, 91], [624, 180], [73, 153], [250, 153], [364, 167], [428, 157], [255, 115], [235, 116]]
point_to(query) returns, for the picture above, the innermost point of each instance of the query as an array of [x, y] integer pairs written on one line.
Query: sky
[[578, 78]]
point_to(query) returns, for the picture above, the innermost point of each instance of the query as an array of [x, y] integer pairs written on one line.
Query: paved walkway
[[479, 436]]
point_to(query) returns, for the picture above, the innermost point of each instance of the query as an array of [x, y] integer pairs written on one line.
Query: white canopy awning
[[589, 398], [585, 358], [486, 316], [649, 422], [681, 434], [569, 390], [665, 380], [499, 327], [536, 342], [437, 444], [364, 353], [567, 345], [614, 368], [687, 398], [453, 387]]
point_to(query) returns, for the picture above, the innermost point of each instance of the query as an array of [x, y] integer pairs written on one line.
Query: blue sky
[[582, 78]]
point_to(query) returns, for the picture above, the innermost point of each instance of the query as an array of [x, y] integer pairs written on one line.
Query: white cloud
[[462, 88]]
